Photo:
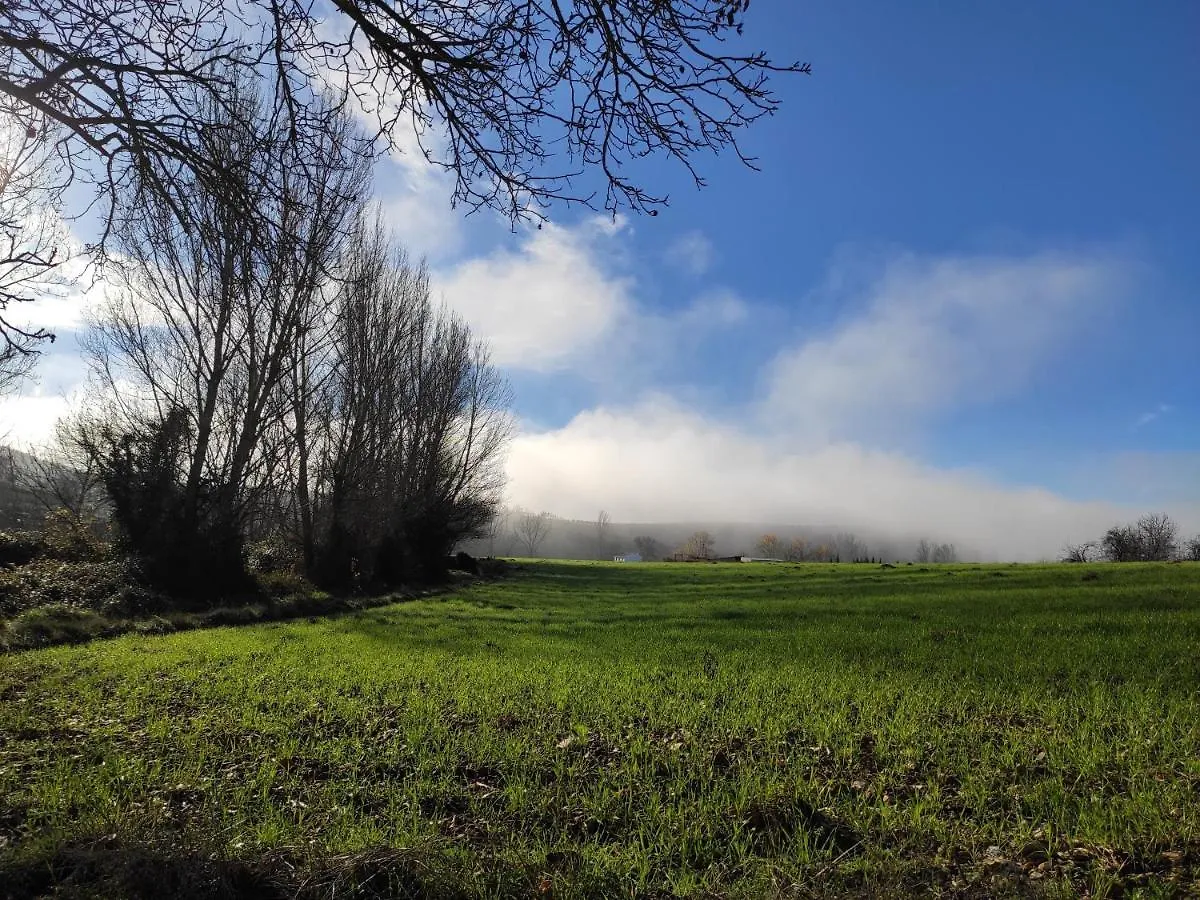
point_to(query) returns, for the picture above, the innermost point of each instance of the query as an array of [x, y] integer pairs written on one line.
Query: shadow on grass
[[62, 623], [108, 868]]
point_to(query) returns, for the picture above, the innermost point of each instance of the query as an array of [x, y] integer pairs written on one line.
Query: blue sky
[[961, 293]]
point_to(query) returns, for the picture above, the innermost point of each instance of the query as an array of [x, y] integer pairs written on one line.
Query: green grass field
[[642, 730]]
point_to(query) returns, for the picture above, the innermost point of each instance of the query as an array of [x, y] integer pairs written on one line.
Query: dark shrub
[[268, 557], [283, 583], [335, 558], [53, 624], [17, 548], [108, 586], [186, 545], [493, 567], [69, 538]]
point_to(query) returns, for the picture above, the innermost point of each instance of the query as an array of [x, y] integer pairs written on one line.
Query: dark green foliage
[[54, 623], [186, 543], [417, 547], [414, 547], [62, 537], [67, 564], [19, 547], [107, 586]]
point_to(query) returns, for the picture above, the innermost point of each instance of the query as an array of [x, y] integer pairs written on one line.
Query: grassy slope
[[592, 729]]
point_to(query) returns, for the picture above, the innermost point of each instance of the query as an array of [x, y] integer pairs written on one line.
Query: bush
[[110, 587], [186, 546], [283, 583], [1151, 539], [55, 623], [19, 548], [68, 538], [1191, 549], [1078, 553], [264, 557]]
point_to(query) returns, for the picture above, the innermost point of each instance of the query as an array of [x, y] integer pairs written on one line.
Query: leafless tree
[[944, 553], [603, 527], [1079, 553], [770, 546], [408, 427], [16, 363], [924, 551], [496, 91], [524, 102], [1158, 535], [1121, 543], [648, 547], [1152, 538], [32, 239], [848, 547], [1191, 549], [531, 529], [699, 545], [497, 527], [61, 476], [213, 305], [798, 550], [515, 98], [17, 508]]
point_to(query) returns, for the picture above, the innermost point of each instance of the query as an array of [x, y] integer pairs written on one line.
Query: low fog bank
[[680, 472], [564, 538], [592, 539]]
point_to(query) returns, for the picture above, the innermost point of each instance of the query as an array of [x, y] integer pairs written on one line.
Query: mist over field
[[659, 464]]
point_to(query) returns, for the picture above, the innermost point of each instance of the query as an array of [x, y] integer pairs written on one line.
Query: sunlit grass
[[599, 729]]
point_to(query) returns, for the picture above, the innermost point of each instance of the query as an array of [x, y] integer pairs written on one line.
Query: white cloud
[[925, 337], [543, 304], [930, 334], [28, 416], [65, 293], [655, 345], [66, 306], [657, 462], [29, 420], [415, 202], [1147, 417], [691, 252], [714, 310]]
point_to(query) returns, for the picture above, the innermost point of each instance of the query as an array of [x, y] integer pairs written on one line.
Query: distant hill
[[19, 508]]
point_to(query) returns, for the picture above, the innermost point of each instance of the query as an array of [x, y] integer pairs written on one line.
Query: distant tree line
[[1152, 538], [928, 552], [525, 532], [844, 547]]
